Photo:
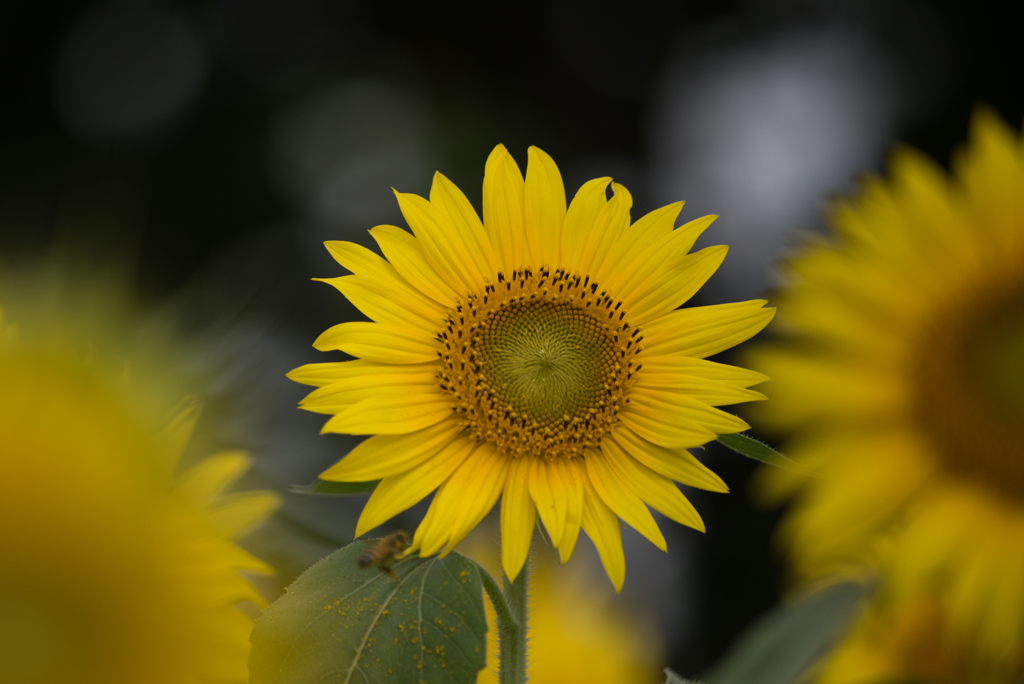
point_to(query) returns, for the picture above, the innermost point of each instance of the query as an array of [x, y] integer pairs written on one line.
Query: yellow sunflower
[[904, 381], [118, 566], [537, 356]]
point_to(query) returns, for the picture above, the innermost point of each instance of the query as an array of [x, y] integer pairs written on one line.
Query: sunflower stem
[[512, 631]]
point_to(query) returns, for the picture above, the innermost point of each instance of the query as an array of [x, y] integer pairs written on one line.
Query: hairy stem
[[512, 631]]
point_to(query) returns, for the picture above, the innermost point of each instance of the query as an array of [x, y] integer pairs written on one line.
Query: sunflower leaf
[[334, 488], [755, 449], [786, 643], [341, 623]]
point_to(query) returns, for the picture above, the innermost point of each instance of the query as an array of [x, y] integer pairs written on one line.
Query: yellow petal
[[397, 493], [470, 493], [620, 498], [685, 375], [579, 220], [452, 203], [392, 414], [544, 208], [673, 406], [404, 251], [322, 374], [236, 514], [602, 526], [638, 244], [204, 481], [678, 365], [646, 264], [339, 395], [677, 464], [385, 304], [609, 224], [379, 342], [439, 242], [656, 490], [549, 493], [664, 430], [382, 456], [706, 330], [518, 516], [656, 298], [503, 208], [572, 477]]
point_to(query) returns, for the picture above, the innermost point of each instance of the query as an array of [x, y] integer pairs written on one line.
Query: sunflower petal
[[468, 496], [447, 197], [579, 219], [656, 490], [677, 464], [602, 526], [549, 493], [236, 514], [518, 516], [544, 208], [378, 342], [397, 493], [682, 408], [609, 224], [503, 208], [385, 304], [659, 298], [572, 477], [382, 456], [664, 430], [206, 480], [703, 331], [620, 498], [392, 414], [439, 242], [404, 251]]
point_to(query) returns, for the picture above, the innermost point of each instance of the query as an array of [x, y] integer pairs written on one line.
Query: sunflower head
[[538, 356], [902, 375], [119, 565]]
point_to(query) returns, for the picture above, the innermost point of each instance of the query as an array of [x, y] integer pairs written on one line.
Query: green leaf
[[755, 449], [672, 678], [334, 488], [341, 623], [781, 647]]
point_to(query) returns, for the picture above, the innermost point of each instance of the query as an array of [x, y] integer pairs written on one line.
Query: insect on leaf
[[341, 623]]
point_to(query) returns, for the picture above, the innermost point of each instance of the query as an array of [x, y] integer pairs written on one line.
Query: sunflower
[[903, 378], [119, 566], [537, 356]]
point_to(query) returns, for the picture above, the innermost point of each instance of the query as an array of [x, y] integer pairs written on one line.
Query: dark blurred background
[[212, 146]]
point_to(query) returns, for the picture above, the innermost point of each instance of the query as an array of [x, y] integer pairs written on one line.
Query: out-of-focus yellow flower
[[904, 381], [575, 632], [910, 646], [118, 567], [539, 356]]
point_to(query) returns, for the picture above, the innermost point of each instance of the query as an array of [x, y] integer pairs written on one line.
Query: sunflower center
[[539, 363], [970, 389]]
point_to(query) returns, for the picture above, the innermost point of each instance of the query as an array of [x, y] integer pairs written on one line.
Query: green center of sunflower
[[970, 389], [539, 363]]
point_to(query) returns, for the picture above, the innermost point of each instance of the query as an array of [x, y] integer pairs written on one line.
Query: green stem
[[512, 631]]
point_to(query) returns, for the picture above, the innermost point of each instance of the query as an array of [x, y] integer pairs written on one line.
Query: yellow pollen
[[539, 362]]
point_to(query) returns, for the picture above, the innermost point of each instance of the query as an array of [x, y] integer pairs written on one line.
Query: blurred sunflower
[[119, 566], [904, 377], [537, 356], [575, 632]]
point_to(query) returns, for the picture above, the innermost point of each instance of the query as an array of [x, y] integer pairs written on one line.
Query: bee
[[384, 551]]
